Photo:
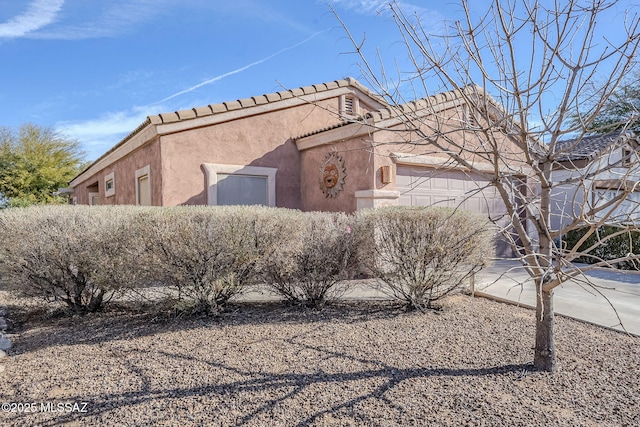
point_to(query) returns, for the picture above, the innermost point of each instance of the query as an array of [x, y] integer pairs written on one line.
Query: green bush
[[420, 255], [208, 254], [317, 252], [78, 255], [604, 244]]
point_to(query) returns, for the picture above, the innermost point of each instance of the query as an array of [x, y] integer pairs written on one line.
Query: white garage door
[[442, 187]]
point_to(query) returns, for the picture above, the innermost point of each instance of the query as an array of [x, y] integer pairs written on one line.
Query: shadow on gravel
[[283, 387], [37, 331]]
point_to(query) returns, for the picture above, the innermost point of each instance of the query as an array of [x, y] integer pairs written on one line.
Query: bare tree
[[522, 68]]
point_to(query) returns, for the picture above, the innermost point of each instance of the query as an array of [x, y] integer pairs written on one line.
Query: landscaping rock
[[5, 344], [356, 364]]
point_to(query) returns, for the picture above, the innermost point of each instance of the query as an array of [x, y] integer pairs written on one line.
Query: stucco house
[[590, 172], [331, 147]]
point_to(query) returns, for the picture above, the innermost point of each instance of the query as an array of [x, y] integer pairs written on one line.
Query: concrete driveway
[[595, 298]]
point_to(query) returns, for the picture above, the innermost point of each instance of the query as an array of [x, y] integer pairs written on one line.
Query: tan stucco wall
[[263, 140], [374, 148], [359, 163], [259, 135], [124, 176], [395, 141]]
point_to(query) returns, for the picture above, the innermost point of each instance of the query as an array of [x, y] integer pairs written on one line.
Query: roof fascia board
[[342, 133]]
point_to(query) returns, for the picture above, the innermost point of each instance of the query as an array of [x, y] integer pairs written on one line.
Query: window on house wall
[[242, 189], [143, 186], [626, 211], [110, 185], [240, 185]]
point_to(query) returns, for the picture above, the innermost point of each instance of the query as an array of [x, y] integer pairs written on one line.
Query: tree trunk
[[545, 350]]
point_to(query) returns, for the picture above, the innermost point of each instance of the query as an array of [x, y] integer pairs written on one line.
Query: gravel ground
[[351, 364]]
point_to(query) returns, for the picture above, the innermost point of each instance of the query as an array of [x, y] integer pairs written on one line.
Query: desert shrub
[[316, 253], [208, 254], [603, 245], [77, 255], [420, 255]]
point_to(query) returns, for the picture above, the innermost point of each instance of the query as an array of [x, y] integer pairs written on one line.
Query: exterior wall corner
[[376, 198]]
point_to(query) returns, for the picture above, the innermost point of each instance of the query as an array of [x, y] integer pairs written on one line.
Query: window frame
[[212, 170], [108, 192]]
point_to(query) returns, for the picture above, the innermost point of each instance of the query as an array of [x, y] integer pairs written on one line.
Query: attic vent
[[470, 118], [349, 105]]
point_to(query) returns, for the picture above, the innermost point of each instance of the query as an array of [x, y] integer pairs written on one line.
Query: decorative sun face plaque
[[332, 174]]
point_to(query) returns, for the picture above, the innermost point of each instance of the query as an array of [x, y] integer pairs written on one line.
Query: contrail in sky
[[239, 70]]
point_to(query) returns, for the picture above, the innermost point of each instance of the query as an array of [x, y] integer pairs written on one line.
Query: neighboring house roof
[[240, 104], [588, 147]]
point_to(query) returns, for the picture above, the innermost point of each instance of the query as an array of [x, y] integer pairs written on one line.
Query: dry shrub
[[317, 252], [208, 254], [420, 255], [77, 255]]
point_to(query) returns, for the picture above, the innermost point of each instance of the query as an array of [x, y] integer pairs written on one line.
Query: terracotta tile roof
[[399, 110], [425, 106], [259, 100], [211, 109]]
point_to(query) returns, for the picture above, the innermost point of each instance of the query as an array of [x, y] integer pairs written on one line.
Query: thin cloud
[[362, 6], [39, 14], [381, 7], [100, 133], [239, 70], [103, 132], [114, 18]]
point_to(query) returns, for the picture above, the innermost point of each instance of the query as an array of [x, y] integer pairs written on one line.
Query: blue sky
[[94, 69]]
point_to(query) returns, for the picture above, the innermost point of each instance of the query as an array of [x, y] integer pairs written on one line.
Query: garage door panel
[[430, 187], [422, 201], [456, 184], [438, 183]]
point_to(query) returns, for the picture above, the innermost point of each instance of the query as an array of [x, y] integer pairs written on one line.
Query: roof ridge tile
[[247, 102], [169, 117], [203, 111], [309, 90], [218, 108], [260, 99], [232, 105], [186, 114]]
